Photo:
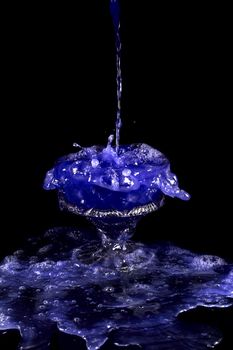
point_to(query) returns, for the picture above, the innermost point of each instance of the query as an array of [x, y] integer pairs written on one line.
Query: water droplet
[[126, 172], [94, 163], [76, 145], [108, 289], [22, 288]]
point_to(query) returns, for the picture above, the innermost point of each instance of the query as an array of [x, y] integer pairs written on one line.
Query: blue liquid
[[66, 279], [97, 177], [115, 12]]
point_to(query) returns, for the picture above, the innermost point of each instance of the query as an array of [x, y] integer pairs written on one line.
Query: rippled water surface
[[68, 279]]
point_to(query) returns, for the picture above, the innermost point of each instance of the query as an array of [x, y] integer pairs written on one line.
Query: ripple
[[134, 296]]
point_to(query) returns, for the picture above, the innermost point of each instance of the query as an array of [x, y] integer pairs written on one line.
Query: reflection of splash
[[54, 281]]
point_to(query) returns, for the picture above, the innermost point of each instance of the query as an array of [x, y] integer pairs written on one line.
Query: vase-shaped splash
[[99, 284], [113, 189]]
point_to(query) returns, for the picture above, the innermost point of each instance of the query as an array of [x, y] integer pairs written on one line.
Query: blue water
[[98, 178], [66, 278], [132, 293], [115, 12]]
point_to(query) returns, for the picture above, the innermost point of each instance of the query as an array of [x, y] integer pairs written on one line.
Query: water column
[[115, 12]]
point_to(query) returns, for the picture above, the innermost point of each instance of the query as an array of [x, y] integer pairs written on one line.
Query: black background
[[59, 88]]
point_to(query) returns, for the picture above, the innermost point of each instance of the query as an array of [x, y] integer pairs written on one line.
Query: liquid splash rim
[[99, 213]]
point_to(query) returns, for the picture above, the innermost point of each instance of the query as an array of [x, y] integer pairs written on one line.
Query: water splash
[[66, 278], [95, 177], [115, 12]]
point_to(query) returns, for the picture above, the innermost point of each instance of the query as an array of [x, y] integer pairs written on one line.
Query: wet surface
[[138, 295]]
